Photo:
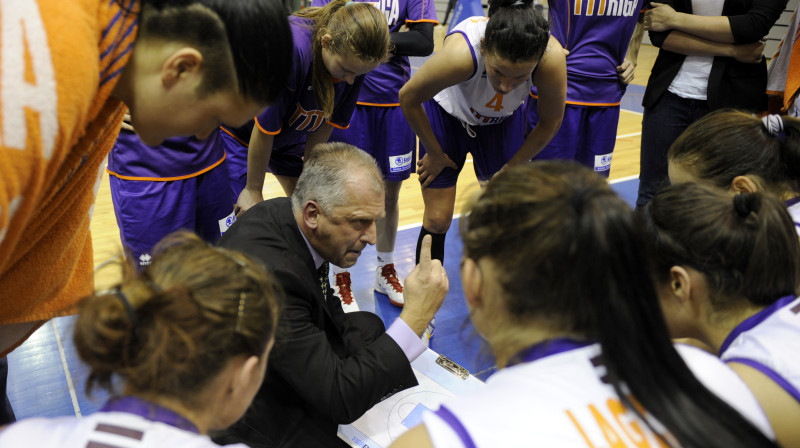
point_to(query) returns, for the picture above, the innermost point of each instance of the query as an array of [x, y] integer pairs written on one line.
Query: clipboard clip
[[452, 367]]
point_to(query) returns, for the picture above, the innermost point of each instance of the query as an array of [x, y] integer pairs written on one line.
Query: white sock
[[337, 270], [385, 258]]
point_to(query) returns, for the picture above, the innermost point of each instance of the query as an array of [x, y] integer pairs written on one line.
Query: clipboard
[[440, 380]]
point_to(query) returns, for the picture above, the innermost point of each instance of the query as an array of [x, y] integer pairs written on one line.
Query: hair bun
[[746, 203]]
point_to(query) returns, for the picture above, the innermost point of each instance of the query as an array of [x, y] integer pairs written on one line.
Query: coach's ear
[[311, 214]]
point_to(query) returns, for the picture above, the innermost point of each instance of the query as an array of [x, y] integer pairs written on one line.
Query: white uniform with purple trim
[[769, 342], [105, 429], [794, 210], [475, 101], [560, 400]]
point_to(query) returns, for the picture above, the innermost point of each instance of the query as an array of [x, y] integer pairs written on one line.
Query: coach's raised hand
[[425, 288]]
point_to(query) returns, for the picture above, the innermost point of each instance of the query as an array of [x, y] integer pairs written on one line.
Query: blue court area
[[46, 377]]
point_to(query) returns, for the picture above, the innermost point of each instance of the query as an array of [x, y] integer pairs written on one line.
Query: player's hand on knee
[[432, 165], [425, 289], [247, 198]]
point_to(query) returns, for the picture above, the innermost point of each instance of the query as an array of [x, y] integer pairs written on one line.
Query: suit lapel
[[298, 245]]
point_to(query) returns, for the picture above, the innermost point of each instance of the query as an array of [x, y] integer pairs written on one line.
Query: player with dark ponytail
[[727, 269], [187, 340], [469, 97], [741, 153], [556, 276]]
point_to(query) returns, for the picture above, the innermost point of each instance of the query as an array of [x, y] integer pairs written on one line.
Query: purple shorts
[[147, 211], [587, 135], [491, 146], [286, 161], [384, 133]]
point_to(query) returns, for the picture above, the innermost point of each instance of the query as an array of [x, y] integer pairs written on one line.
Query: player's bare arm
[[551, 85], [450, 66]]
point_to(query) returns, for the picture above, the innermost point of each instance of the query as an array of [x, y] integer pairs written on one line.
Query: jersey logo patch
[[226, 222], [602, 162], [144, 259], [400, 163]]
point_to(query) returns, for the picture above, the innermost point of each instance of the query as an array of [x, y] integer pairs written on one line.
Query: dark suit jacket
[[731, 83], [321, 371]]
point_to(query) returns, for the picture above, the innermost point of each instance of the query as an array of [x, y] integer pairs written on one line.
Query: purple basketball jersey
[[296, 113], [597, 34], [178, 157]]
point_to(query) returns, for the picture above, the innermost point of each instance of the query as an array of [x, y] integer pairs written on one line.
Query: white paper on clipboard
[[390, 418]]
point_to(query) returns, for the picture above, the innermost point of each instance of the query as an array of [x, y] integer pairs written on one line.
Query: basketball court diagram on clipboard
[[390, 418]]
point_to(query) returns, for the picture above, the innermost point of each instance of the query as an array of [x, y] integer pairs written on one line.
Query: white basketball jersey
[[561, 400], [474, 101], [794, 211], [770, 343], [101, 429]]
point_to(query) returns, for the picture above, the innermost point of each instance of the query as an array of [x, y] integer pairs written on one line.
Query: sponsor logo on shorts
[[226, 222], [399, 163], [602, 162], [144, 259]]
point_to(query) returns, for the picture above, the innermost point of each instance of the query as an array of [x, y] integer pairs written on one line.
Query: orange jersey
[[59, 62]]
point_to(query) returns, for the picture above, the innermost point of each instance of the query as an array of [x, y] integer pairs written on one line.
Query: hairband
[[741, 206], [774, 125], [131, 313]]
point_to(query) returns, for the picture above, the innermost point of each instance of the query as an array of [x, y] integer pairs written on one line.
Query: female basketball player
[[468, 97], [69, 69], [334, 46], [189, 339], [743, 154], [556, 277], [728, 268]]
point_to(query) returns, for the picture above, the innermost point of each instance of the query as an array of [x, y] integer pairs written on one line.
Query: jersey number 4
[[495, 103]]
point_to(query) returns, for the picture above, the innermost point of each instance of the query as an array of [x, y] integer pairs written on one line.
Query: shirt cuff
[[408, 341]]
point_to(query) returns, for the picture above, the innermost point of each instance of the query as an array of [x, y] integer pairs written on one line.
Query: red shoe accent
[[390, 275], [343, 290]]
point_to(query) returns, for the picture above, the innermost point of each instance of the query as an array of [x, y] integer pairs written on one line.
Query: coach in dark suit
[[705, 62], [327, 367]]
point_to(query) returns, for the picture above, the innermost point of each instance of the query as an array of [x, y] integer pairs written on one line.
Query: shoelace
[[390, 275], [343, 288]]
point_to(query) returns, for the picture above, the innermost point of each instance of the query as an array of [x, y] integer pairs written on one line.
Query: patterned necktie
[[323, 279]]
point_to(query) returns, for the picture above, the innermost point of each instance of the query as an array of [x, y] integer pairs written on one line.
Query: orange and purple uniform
[[59, 63]]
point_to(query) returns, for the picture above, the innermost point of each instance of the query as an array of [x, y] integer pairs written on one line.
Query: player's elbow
[[406, 98]]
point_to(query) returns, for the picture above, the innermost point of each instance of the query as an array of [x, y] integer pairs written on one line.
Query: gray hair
[[326, 173]]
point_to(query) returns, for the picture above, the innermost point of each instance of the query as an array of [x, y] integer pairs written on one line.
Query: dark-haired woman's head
[[561, 244], [516, 31], [173, 330], [720, 252], [514, 42], [199, 63], [739, 152]]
